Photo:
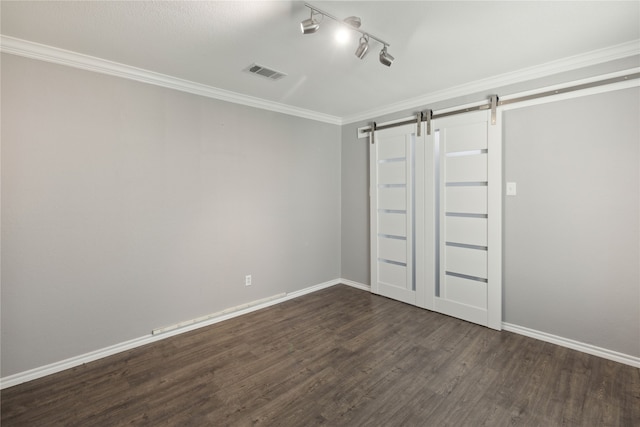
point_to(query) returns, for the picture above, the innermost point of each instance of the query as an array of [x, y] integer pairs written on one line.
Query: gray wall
[[355, 207], [127, 207], [571, 236]]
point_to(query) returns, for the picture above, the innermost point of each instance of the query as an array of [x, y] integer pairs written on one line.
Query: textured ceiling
[[437, 45]]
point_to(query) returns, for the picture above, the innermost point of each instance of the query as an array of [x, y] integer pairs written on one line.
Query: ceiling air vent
[[268, 73]]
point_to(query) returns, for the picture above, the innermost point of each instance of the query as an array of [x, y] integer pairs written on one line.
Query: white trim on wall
[[623, 50], [574, 345], [72, 362], [356, 285], [55, 55], [230, 313]]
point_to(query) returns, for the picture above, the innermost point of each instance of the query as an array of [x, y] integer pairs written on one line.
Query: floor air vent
[[263, 71]]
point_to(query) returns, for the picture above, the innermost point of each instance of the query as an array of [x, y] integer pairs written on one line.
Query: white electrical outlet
[[247, 280]]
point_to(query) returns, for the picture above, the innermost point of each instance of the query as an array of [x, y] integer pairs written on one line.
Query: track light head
[[385, 58], [309, 26], [363, 47], [353, 21]]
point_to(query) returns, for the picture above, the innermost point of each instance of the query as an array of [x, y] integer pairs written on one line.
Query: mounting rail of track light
[[311, 25]]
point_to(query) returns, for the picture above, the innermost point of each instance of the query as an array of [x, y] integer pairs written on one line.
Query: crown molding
[[28, 49], [55, 55], [620, 51]]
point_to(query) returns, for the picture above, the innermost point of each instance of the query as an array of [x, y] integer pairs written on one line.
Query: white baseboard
[[71, 362], [353, 284], [309, 290], [575, 345], [173, 330]]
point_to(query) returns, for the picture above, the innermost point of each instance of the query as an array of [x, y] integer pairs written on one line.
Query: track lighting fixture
[[311, 25], [385, 58], [363, 47]]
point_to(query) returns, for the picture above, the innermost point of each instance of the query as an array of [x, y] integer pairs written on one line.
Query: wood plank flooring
[[339, 357]]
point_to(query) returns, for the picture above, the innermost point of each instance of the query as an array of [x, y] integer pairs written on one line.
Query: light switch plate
[[511, 188]]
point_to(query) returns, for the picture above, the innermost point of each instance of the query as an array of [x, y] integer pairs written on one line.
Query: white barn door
[[436, 216], [467, 282], [395, 181]]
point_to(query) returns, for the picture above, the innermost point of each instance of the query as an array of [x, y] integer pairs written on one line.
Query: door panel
[[392, 224], [393, 212], [465, 291], [394, 146], [468, 168], [392, 249], [392, 198], [391, 274], [466, 137], [469, 200], [392, 172], [472, 231], [467, 261], [468, 281], [460, 310]]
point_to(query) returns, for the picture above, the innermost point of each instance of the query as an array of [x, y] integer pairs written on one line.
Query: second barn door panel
[[467, 281]]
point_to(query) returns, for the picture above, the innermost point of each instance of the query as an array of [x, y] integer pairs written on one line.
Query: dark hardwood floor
[[339, 357]]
